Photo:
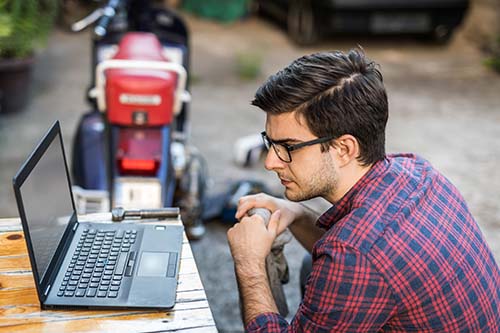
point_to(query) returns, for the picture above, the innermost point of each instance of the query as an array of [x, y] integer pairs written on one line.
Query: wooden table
[[20, 309]]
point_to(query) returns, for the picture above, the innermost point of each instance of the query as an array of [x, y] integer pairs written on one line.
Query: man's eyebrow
[[285, 140]]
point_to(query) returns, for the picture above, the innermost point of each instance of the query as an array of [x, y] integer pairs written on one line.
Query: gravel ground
[[444, 105]]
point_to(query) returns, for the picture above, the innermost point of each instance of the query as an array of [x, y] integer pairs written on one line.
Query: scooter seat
[[140, 46], [140, 96]]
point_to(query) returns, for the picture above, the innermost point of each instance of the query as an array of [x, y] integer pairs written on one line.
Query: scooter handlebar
[[88, 20], [108, 13]]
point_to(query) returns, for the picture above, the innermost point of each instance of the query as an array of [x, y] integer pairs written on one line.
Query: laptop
[[84, 264]]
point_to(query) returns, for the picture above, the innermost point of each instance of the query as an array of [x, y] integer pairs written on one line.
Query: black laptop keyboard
[[101, 259]]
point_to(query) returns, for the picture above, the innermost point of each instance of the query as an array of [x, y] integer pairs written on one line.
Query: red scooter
[[132, 149]]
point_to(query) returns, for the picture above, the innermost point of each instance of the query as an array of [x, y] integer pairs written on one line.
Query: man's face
[[312, 173]]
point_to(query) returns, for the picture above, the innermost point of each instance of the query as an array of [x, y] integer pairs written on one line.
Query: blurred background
[[440, 60]]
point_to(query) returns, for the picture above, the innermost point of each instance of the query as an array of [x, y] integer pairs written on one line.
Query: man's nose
[[272, 161]]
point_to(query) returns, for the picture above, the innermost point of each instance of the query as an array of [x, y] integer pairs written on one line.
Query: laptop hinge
[[75, 226], [47, 290]]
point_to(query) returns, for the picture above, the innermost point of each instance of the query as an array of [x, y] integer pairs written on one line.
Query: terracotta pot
[[15, 83]]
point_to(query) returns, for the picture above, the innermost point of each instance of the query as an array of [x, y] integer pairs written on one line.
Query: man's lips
[[285, 181]]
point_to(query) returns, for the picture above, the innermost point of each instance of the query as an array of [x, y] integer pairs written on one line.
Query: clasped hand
[[250, 240]]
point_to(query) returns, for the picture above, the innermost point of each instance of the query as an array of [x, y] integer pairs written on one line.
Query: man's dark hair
[[337, 94]]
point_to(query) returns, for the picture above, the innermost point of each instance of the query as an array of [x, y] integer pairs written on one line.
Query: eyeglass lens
[[279, 149]]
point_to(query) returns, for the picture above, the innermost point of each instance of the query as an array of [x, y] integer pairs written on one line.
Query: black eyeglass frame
[[289, 148]]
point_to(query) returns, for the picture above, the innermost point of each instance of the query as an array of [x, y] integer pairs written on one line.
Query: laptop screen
[[47, 204]]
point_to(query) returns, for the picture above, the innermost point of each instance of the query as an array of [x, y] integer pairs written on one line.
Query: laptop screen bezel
[[42, 283]]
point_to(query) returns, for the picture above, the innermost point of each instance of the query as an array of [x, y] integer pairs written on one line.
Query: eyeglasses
[[283, 150]]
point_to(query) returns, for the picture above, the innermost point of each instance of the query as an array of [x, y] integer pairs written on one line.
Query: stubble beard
[[321, 183]]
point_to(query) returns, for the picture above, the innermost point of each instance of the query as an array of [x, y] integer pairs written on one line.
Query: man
[[398, 251]]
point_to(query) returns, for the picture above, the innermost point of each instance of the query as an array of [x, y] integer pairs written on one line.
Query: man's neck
[[349, 176]]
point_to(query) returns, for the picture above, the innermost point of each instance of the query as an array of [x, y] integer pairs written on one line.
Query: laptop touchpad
[[154, 264]]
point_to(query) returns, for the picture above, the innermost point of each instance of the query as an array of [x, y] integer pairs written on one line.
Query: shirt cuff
[[267, 322]]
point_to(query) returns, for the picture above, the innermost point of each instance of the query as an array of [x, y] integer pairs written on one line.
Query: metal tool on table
[[119, 214], [276, 264]]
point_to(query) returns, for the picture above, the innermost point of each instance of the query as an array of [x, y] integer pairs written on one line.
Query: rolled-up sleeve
[[344, 293], [267, 322]]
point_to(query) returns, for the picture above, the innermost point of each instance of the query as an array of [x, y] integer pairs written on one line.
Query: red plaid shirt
[[401, 253]]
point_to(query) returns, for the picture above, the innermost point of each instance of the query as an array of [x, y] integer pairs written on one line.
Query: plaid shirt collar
[[355, 195]]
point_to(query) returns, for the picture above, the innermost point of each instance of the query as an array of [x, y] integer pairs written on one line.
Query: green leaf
[[25, 25], [5, 25]]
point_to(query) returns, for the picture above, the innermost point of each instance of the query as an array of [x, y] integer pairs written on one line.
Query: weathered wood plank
[[188, 266], [10, 224], [31, 319], [189, 282], [19, 296], [16, 281], [19, 263], [191, 296], [33, 310], [12, 243], [13, 315], [186, 251], [112, 322], [201, 329]]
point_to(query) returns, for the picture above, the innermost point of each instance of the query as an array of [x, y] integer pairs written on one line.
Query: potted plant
[[24, 26]]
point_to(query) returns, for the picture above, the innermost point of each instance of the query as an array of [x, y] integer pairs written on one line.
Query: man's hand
[[295, 215], [290, 211], [250, 241]]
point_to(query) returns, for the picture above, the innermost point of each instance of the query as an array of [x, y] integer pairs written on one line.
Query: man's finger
[[257, 218], [246, 198], [242, 210], [245, 204], [274, 222]]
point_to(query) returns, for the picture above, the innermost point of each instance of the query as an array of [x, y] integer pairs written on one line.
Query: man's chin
[[294, 196], [297, 196]]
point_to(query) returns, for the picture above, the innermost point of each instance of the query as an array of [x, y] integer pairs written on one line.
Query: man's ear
[[347, 148]]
